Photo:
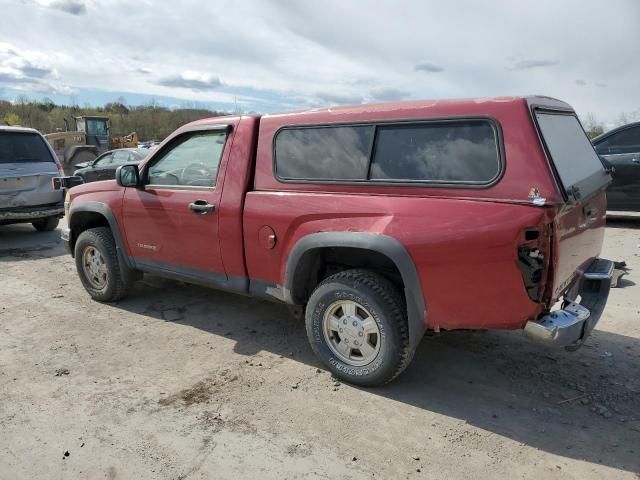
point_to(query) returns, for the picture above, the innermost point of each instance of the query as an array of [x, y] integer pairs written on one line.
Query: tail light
[[533, 261]]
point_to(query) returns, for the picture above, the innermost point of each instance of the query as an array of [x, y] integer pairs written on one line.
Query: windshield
[[19, 147], [579, 167], [96, 126]]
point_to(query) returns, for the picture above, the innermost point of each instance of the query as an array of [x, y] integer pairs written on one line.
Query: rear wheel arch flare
[[303, 259]]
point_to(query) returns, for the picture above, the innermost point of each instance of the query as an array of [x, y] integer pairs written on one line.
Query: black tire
[[385, 305], [46, 224], [116, 283], [80, 157]]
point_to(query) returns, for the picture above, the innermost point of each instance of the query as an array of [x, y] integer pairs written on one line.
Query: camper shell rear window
[[577, 164]]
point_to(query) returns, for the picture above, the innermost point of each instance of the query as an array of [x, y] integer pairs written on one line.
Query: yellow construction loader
[[89, 138]]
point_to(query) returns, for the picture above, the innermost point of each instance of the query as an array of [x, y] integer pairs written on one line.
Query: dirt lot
[[183, 382]]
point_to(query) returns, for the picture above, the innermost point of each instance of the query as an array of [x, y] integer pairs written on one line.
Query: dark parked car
[[621, 148], [104, 167]]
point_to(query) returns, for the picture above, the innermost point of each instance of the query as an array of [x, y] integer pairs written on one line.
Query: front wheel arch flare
[[98, 208]]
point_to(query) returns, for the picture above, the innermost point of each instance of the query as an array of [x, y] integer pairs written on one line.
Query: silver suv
[[27, 165]]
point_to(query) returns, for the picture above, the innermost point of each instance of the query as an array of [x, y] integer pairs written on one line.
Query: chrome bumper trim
[[570, 326]]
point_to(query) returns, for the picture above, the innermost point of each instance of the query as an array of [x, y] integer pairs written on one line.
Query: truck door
[[120, 157], [622, 151], [102, 164], [171, 225]]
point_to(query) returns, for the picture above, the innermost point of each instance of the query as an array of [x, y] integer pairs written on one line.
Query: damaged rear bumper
[[28, 214], [570, 326]]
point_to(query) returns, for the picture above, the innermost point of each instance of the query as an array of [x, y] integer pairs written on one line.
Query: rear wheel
[[99, 268], [356, 324], [80, 157], [46, 224]]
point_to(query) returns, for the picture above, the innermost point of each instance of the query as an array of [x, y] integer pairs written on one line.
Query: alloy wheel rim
[[351, 333], [95, 268]]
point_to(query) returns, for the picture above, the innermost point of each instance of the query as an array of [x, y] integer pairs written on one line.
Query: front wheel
[[357, 326], [99, 268]]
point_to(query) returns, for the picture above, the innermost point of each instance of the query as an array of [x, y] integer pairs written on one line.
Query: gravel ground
[[182, 382]]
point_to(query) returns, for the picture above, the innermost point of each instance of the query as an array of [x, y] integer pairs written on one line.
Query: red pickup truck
[[377, 221]]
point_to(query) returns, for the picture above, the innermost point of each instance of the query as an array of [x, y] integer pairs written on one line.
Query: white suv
[[27, 165]]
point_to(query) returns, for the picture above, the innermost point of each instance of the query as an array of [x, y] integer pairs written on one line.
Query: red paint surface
[[463, 241]]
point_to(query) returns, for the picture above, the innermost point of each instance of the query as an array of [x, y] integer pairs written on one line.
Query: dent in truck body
[[459, 248]]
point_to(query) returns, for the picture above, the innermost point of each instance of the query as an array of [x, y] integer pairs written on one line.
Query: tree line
[[151, 121]]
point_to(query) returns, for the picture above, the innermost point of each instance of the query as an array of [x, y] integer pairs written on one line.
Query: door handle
[[201, 207]]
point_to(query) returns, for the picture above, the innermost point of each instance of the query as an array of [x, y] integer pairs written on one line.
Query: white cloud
[[29, 71], [287, 53], [190, 80], [428, 67], [74, 7]]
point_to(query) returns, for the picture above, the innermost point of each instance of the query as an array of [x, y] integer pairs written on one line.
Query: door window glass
[[192, 161], [121, 157], [626, 141], [104, 160]]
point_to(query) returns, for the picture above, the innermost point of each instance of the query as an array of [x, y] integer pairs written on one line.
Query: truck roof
[[365, 111], [435, 107]]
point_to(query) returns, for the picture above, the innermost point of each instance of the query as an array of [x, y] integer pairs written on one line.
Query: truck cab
[[96, 129]]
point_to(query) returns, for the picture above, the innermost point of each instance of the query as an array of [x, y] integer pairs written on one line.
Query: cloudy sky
[[274, 55]]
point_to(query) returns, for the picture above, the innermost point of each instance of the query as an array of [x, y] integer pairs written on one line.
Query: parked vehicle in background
[[91, 136], [377, 221], [27, 165], [149, 144], [104, 167], [621, 148]]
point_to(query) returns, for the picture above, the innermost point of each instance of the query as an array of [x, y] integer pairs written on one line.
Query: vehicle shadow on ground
[[583, 405], [623, 222], [23, 242]]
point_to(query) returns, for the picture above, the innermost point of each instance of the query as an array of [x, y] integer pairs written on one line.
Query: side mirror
[[128, 176]]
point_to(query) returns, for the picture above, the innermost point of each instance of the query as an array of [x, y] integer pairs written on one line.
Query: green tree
[[592, 127], [12, 118], [152, 121]]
